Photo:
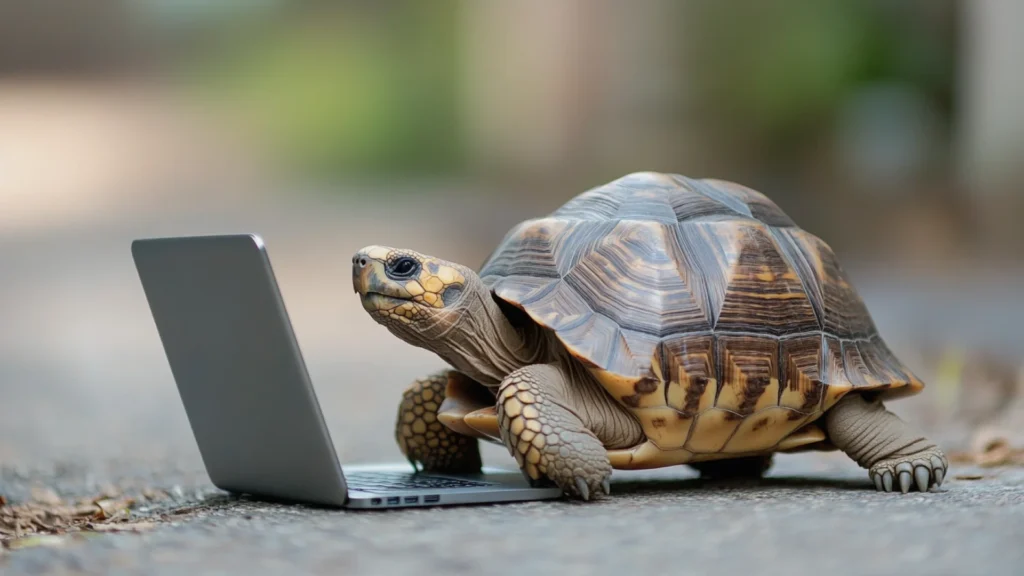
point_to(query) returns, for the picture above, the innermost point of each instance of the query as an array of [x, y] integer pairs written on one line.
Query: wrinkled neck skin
[[483, 344]]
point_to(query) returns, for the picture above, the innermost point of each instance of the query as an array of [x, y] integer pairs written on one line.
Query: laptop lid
[[238, 368]]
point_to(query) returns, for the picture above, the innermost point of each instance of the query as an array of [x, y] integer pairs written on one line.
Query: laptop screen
[[238, 368]]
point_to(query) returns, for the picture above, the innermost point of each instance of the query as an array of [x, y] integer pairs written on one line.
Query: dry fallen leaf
[[968, 476], [46, 514], [88, 509], [990, 451], [997, 452], [111, 508]]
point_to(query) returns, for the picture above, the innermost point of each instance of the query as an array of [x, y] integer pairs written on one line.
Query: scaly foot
[[922, 471], [896, 455], [424, 440]]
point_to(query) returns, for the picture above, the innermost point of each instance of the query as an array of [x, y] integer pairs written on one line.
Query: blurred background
[[890, 129]]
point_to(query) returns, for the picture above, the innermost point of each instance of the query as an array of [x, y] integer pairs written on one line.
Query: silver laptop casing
[[245, 388]]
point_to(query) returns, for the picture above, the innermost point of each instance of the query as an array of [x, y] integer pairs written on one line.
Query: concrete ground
[[87, 400], [813, 515]]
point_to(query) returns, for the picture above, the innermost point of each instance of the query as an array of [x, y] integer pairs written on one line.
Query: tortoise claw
[[904, 471], [921, 478], [904, 482], [581, 487], [938, 469], [920, 471]]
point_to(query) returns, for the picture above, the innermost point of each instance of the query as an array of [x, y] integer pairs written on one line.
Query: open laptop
[[247, 393]]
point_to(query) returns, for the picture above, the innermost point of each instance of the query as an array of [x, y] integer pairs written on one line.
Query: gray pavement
[[86, 400], [813, 515]]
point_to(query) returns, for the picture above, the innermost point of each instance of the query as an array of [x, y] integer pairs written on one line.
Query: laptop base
[[495, 485]]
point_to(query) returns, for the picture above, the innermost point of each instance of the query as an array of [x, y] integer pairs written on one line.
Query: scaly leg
[[423, 439], [558, 424], [894, 454]]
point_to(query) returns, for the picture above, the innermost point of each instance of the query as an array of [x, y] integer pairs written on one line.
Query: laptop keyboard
[[385, 481]]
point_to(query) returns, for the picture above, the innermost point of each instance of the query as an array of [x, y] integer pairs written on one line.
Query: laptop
[[247, 394]]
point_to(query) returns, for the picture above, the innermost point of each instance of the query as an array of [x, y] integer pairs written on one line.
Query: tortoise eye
[[404, 267]]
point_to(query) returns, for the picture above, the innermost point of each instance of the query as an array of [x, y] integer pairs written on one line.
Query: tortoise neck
[[484, 345]]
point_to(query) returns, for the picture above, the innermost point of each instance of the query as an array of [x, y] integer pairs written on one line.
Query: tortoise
[[653, 321]]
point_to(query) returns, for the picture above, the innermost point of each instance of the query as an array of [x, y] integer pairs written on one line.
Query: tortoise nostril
[[362, 262]]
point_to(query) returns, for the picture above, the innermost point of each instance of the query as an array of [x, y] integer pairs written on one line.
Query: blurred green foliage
[[780, 69], [358, 87], [353, 89]]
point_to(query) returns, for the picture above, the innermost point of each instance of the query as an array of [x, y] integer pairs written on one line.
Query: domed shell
[[702, 307]]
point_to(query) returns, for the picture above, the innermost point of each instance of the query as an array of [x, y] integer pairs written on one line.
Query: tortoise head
[[415, 296]]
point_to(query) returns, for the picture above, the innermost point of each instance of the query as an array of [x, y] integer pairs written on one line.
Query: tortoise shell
[[702, 308]]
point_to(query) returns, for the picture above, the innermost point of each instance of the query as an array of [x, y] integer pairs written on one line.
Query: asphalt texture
[[87, 401], [811, 515]]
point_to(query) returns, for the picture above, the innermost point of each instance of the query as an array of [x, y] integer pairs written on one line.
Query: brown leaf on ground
[[47, 514], [110, 508], [989, 452], [85, 510], [968, 476]]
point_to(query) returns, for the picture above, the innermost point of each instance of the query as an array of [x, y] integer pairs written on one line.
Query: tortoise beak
[[369, 277], [361, 268]]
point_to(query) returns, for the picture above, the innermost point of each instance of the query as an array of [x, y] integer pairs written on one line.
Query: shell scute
[[749, 370], [801, 373], [690, 370], [657, 297], [760, 206], [841, 310]]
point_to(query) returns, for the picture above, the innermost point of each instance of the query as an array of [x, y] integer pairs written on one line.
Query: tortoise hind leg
[[423, 439], [745, 467], [896, 456]]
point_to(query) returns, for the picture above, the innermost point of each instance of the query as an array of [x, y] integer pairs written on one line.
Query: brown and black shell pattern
[[702, 308]]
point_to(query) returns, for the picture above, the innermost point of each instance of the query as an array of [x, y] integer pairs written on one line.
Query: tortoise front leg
[[539, 424], [424, 440], [879, 441]]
